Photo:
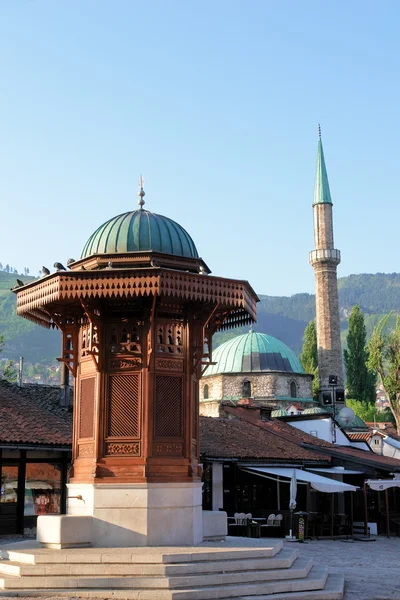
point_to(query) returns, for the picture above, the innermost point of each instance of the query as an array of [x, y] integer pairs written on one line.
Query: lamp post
[[333, 384]]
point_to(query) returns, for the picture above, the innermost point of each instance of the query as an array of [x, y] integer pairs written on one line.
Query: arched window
[[293, 390], [246, 389], [205, 392]]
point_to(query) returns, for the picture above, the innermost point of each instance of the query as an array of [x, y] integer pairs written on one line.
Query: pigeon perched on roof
[[19, 284], [59, 266], [45, 271], [70, 261]]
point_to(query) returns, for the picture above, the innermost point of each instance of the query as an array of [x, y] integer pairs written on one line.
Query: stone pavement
[[372, 569]]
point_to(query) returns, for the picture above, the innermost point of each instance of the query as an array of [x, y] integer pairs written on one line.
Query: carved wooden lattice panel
[[123, 406], [168, 409], [86, 412]]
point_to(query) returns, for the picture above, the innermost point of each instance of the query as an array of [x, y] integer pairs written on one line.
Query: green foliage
[[384, 359], [309, 355], [376, 294], [8, 372], [368, 412], [22, 337], [360, 380]]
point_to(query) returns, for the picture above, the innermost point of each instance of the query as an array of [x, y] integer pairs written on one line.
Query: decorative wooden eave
[[140, 259], [69, 287]]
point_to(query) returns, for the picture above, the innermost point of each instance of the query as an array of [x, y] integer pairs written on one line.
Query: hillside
[[280, 316], [21, 337]]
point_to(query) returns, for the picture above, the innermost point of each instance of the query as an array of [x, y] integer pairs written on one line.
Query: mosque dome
[[253, 353], [138, 231], [315, 410], [280, 412]]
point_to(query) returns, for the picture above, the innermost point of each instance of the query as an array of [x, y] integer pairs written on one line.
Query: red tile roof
[[235, 438], [275, 426], [387, 428], [360, 436], [304, 440], [23, 421]]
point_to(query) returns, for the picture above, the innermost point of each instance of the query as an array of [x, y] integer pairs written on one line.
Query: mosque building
[[255, 368]]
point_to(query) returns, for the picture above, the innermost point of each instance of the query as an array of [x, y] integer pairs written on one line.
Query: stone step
[[300, 569], [333, 590], [282, 560], [145, 555], [315, 587]]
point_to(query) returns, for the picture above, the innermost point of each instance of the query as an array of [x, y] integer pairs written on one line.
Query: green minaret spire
[[322, 194]]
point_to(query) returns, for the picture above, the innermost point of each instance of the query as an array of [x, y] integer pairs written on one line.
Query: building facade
[[256, 368]]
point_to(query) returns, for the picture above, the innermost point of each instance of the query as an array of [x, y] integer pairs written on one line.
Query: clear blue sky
[[217, 103]]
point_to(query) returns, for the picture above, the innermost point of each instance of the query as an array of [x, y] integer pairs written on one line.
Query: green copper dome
[[280, 412], [253, 352], [140, 230]]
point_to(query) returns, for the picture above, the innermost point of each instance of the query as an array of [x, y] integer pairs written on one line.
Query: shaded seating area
[[317, 524], [390, 519], [245, 525]]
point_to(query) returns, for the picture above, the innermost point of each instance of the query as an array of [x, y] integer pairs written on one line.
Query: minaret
[[324, 260]]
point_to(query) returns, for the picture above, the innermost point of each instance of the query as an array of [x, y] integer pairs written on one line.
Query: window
[[205, 392], [246, 389], [293, 390], [42, 489]]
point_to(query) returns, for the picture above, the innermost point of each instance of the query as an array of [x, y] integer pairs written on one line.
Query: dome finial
[[319, 131], [141, 193]]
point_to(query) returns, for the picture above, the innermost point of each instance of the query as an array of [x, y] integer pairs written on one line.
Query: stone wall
[[263, 385]]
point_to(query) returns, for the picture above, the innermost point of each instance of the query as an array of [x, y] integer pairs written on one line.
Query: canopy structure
[[335, 471], [382, 484], [321, 484]]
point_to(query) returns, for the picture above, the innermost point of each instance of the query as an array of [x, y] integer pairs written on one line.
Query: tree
[[309, 355], [368, 412], [9, 372], [384, 359], [361, 381]]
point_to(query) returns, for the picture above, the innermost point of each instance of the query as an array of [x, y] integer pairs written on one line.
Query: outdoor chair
[[238, 528], [273, 527]]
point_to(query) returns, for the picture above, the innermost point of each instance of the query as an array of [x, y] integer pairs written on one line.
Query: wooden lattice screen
[[123, 406], [168, 409], [86, 412]]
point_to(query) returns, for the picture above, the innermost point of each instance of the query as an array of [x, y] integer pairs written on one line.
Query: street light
[[333, 382]]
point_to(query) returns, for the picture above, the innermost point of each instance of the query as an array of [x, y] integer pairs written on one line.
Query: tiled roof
[[349, 453], [387, 428], [275, 426], [25, 421], [235, 438], [290, 433], [43, 396], [360, 436]]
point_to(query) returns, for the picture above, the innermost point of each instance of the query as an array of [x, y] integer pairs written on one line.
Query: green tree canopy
[[368, 412], [360, 381], [309, 355], [384, 359]]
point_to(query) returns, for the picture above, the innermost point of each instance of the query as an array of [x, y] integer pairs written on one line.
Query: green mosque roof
[[253, 352], [280, 412], [140, 230], [315, 410], [322, 194]]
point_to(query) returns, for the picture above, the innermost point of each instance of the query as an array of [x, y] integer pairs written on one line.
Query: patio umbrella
[[292, 501]]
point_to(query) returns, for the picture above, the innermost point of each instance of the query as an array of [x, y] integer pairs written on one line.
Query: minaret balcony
[[325, 255]]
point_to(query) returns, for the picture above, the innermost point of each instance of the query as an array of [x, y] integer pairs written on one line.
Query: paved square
[[371, 569]]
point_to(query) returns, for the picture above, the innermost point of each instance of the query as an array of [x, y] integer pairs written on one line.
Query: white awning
[[383, 484], [321, 484], [335, 471]]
